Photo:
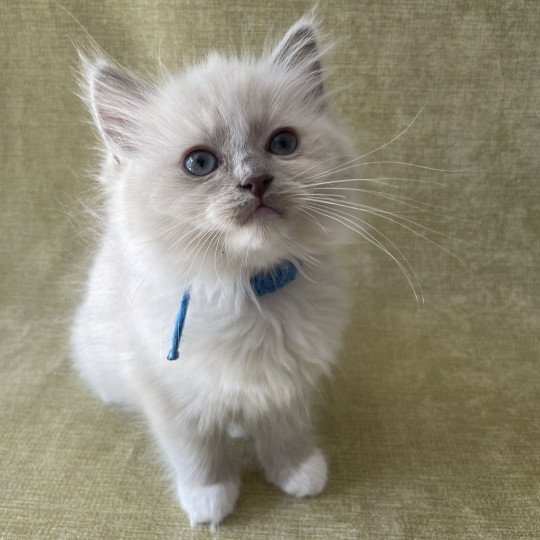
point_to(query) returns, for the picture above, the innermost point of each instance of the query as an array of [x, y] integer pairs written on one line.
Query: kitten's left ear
[[299, 51]]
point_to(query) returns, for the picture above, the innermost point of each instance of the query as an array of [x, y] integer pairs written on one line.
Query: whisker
[[386, 217], [450, 171], [358, 206], [353, 204], [315, 220], [407, 127], [376, 149], [202, 241], [319, 164], [386, 238], [392, 197], [378, 211], [378, 180], [211, 238], [367, 236]]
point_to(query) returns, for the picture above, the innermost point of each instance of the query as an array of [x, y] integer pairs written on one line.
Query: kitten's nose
[[257, 184]]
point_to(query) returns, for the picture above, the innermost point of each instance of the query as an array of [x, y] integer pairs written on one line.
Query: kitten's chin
[[260, 240]]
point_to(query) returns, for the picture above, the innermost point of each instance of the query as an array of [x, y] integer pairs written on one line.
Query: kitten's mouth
[[262, 214], [265, 211]]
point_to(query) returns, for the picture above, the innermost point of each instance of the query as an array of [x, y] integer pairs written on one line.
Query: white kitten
[[210, 180]]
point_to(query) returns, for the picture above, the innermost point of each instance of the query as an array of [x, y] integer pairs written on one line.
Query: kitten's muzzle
[[257, 184]]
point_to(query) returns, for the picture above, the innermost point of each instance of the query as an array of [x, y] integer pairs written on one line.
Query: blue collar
[[263, 283]]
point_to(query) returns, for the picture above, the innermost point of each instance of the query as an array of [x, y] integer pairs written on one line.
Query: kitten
[[210, 180]]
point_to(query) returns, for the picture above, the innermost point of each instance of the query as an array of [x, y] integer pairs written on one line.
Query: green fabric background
[[431, 423]]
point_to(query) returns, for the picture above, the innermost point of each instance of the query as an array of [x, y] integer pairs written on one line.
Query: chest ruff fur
[[262, 284]]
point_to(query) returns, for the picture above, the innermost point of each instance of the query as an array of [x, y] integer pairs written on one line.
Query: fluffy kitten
[[210, 179]]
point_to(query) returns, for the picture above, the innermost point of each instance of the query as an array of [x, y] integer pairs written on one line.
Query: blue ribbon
[[179, 327], [269, 282]]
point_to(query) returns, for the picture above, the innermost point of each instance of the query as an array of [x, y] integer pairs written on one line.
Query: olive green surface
[[431, 423]]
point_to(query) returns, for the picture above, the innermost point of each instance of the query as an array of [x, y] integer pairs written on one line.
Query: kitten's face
[[222, 158]]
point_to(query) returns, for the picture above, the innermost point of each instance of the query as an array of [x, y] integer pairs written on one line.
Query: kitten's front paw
[[209, 504], [309, 478]]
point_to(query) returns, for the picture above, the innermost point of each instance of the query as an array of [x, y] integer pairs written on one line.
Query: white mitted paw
[[309, 478], [209, 504]]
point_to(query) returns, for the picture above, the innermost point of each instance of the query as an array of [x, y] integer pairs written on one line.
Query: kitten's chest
[[297, 323], [243, 357]]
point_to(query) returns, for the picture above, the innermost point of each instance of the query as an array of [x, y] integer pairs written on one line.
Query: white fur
[[309, 478], [209, 503], [246, 362]]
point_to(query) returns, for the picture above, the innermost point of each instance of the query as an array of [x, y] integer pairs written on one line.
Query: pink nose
[[257, 184]]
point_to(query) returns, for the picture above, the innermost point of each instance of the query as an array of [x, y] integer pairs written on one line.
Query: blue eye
[[200, 163], [283, 143]]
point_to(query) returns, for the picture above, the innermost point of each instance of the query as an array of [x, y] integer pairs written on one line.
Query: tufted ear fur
[[116, 101], [299, 51]]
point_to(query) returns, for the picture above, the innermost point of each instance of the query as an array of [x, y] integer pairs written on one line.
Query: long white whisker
[[371, 210], [362, 232], [381, 212], [318, 164], [315, 220], [378, 180], [356, 218], [211, 240], [375, 150], [388, 218], [350, 165], [451, 171], [392, 197]]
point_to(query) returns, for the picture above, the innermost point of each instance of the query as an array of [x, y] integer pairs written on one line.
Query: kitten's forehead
[[230, 102]]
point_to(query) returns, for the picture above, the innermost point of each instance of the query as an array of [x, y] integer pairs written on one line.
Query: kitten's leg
[[207, 483], [289, 456]]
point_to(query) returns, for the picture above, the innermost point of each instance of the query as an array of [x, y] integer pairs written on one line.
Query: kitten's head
[[216, 167]]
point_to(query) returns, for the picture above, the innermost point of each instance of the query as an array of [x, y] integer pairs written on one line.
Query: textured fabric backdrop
[[431, 424]]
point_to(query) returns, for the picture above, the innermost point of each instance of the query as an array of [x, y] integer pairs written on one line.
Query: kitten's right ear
[[116, 101], [299, 51]]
